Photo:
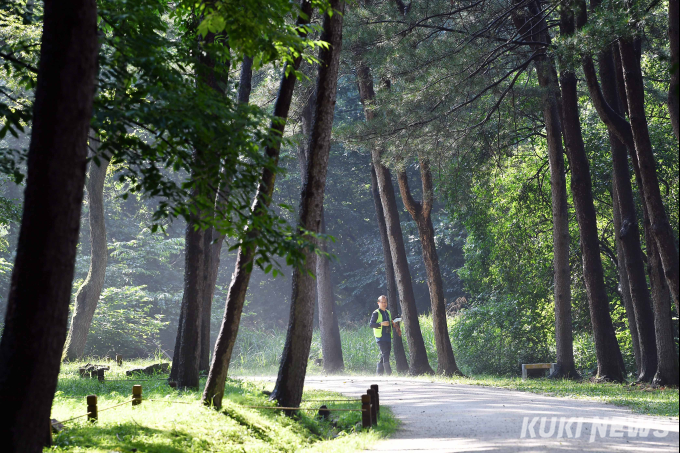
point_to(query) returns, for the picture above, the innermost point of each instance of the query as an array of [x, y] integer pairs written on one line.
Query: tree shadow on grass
[[125, 437]]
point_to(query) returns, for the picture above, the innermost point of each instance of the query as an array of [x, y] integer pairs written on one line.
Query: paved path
[[438, 417]]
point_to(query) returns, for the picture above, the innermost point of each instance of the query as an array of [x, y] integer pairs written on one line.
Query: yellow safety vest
[[378, 332]]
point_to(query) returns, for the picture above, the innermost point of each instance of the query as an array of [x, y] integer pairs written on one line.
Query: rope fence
[[370, 406]]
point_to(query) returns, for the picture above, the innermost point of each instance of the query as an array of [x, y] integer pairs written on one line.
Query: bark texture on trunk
[[624, 287], [531, 25], [37, 307], [226, 339], [629, 233], [331, 345], [674, 88], [421, 213], [292, 370], [392, 292], [609, 359], [213, 239], [661, 227], [89, 292], [188, 349], [418, 363]]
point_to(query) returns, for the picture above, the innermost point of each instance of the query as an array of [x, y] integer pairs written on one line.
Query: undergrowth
[[172, 421]]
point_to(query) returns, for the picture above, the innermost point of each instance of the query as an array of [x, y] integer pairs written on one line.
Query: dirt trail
[[438, 417]]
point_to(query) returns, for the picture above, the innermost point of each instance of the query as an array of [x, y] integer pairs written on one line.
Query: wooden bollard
[[92, 414], [374, 387], [365, 411], [136, 395], [374, 412], [100, 375], [119, 359]]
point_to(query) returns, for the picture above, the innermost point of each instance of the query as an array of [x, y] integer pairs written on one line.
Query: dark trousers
[[384, 359]]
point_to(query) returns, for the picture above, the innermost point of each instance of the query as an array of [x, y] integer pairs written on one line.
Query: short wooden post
[[374, 412], [374, 387], [365, 411], [119, 359], [92, 414], [136, 395], [100, 375]]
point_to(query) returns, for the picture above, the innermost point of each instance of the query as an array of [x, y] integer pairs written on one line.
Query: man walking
[[380, 323]]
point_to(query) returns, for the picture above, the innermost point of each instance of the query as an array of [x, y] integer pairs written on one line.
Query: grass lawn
[[173, 421], [641, 399]]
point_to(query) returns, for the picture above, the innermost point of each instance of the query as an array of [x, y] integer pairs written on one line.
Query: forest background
[[492, 214]]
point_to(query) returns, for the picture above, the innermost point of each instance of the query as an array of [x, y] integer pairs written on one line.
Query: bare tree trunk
[[226, 339], [533, 25], [609, 359], [674, 88], [213, 239], [629, 232], [418, 361], [667, 373], [661, 228], [331, 345], [418, 364], [392, 292], [188, 350], [37, 308], [89, 292], [421, 213], [624, 286], [292, 370]]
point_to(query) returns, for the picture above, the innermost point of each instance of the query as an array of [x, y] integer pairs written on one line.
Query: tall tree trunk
[[89, 292], [629, 232], [532, 25], [213, 239], [661, 227], [37, 307], [609, 359], [674, 88], [331, 345], [226, 339], [194, 330], [667, 372], [291, 378], [392, 292], [188, 350], [421, 213], [624, 286], [661, 298], [418, 361]]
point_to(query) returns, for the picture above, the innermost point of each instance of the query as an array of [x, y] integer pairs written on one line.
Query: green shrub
[[125, 322]]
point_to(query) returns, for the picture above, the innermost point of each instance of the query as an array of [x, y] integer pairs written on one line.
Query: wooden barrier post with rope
[[92, 413], [374, 387], [374, 412], [365, 411], [136, 395]]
